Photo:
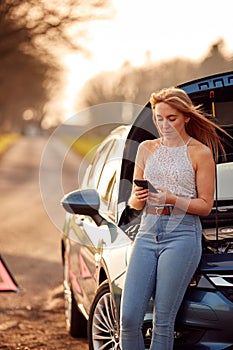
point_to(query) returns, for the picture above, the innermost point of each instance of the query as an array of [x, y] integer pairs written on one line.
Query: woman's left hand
[[164, 196]]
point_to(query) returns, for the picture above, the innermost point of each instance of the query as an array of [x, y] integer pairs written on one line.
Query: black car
[[100, 228]]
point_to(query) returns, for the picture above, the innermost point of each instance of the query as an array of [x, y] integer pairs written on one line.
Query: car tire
[[103, 326], [76, 323], [77, 326]]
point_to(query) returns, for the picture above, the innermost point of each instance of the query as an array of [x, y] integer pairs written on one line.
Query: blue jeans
[[166, 253]]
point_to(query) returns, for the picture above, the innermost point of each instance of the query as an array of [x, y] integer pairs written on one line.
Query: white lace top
[[170, 167]]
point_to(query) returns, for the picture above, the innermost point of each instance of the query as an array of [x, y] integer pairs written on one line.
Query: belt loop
[[171, 207]]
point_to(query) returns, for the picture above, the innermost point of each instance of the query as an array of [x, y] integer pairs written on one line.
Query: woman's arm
[[139, 196]]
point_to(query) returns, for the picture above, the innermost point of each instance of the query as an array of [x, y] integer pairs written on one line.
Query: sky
[[165, 29]]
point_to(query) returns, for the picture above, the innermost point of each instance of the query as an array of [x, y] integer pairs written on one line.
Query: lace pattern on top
[[170, 167]]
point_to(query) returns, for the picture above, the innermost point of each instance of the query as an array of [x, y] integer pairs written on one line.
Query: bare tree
[[33, 35], [41, 26]]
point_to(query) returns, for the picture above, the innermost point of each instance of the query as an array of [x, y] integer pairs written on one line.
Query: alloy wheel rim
[[105, 329]]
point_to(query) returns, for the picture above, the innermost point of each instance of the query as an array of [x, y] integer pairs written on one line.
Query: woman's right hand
[[141, 194], [138, 198]]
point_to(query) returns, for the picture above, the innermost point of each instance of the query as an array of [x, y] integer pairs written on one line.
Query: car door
[[89, 242]]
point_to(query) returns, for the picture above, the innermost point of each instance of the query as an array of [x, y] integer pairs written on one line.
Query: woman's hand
[[138, 198], [140, 193], [164, 196]]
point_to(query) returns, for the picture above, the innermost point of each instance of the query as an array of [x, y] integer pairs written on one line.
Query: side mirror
[[83, 202]]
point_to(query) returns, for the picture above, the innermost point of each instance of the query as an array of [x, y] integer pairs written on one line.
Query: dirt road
[[30, 245]]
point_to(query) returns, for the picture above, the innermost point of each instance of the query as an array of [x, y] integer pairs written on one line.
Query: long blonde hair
[[199, 126]]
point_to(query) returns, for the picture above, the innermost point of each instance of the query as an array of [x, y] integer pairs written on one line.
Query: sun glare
[[79, 70], [147, 29]]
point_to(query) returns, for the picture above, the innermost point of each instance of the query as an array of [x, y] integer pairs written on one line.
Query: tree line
[[33, 35], [135, 84]]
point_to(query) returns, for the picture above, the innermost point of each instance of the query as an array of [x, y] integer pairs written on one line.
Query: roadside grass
[[6, 140], [85, 146]]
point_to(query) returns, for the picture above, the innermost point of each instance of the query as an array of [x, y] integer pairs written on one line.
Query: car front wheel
[[103, 326]]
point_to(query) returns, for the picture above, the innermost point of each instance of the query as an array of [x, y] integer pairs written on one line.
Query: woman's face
[[169, 121]]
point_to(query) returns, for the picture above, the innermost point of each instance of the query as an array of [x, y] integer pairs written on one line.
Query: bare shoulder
[[145, 149], [200, 153], [150, 145], [199, 148]]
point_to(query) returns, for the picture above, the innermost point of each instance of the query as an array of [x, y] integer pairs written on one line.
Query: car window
[[106, 190], [108, 185], [97, 165]]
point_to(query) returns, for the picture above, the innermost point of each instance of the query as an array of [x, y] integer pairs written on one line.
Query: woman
[[167, 249]]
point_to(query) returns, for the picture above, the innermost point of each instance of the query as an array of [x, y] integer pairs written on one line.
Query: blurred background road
[[30, 245]]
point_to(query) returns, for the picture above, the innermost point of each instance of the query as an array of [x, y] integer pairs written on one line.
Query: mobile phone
[[145, 184]]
